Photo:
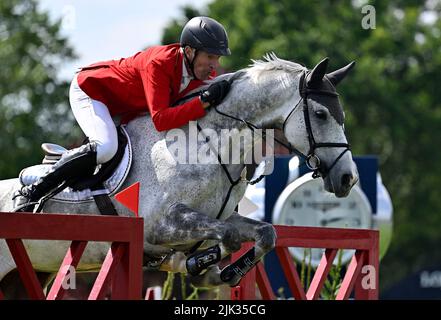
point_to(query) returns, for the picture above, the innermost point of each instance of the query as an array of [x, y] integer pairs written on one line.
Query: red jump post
[[365, 242], [122, 268]]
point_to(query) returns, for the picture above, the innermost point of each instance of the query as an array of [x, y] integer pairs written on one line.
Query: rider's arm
[[157, 84]]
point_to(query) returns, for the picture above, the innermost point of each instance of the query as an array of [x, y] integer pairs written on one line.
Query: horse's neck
[[265, 105]]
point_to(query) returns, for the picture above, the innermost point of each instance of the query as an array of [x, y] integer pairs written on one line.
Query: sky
[[110, 29]]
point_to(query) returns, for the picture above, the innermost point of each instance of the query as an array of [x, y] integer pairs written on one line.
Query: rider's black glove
[[215, 93]]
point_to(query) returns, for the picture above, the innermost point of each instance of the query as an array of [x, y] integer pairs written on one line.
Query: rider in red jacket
[[148, 82]]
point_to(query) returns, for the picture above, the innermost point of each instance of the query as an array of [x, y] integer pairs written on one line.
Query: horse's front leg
[[262, 233], [264, 236], [181, 226]]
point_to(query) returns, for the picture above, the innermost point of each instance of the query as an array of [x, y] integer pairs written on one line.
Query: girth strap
[[104, 203]]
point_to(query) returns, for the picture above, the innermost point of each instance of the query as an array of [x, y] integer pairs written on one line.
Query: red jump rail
[[365, 243], [121, 269]]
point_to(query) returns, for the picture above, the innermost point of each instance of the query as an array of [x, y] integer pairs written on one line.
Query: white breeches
[[95, 121]]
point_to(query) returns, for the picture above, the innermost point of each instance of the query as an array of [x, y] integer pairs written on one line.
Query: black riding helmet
[[206, 34]]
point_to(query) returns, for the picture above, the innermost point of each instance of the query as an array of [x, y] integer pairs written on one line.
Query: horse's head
[[314, 127], [311, 116]]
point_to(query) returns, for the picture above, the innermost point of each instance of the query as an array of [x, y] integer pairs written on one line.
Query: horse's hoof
[[230, 276]]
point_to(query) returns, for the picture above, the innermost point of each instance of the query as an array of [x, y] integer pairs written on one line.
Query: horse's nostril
[[346, 180]]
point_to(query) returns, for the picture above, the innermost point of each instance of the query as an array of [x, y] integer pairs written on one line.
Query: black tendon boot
[[73, 163]]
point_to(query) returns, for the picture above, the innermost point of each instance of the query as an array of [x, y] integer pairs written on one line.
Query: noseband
[[311, 159]]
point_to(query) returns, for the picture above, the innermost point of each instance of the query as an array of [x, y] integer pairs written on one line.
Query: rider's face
[[204, 63]]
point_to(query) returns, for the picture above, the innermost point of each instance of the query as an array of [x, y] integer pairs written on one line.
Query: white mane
[[272, 63]]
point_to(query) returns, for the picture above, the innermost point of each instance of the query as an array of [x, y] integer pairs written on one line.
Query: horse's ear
[[338, 75], [318, 73]]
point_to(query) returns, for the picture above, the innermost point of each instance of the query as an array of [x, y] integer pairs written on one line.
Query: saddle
[[99, 185]]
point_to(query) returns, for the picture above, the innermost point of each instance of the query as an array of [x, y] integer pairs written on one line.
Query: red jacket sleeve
[[157, 85]]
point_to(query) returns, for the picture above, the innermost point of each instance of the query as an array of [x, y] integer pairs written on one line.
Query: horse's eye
[[320, 114]]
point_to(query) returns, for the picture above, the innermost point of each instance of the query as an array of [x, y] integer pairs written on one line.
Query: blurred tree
[[172, 33], [393, 106], [33, 102]]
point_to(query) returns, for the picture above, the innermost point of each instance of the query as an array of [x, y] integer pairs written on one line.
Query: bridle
[[311, 159]]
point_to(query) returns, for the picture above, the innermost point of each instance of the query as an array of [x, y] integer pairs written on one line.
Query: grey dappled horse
[[192, 206]]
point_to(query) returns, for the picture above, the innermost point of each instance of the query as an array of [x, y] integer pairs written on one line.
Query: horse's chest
[[204, 188], [222, 203]]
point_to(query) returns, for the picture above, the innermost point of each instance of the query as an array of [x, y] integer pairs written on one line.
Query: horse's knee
[[267, 237], [231, 239]]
